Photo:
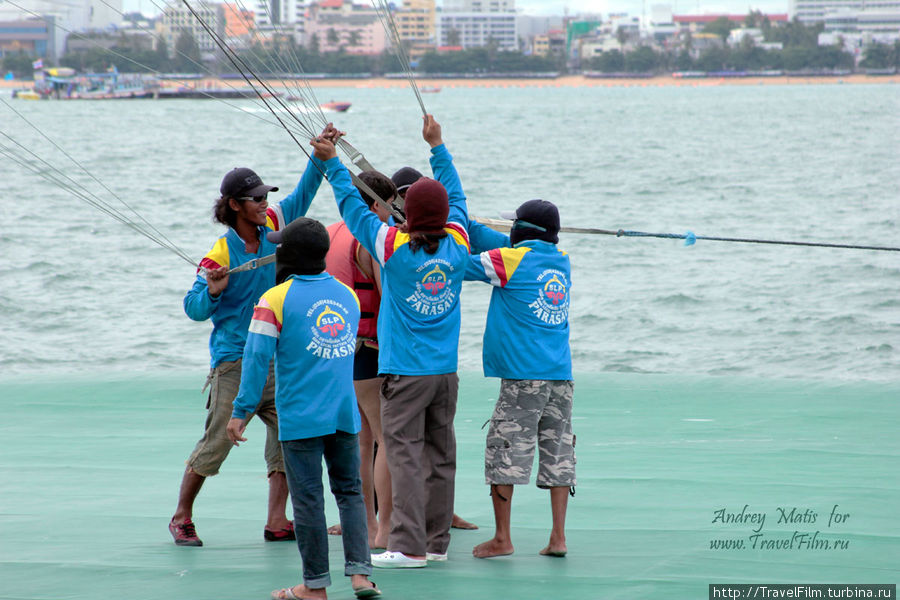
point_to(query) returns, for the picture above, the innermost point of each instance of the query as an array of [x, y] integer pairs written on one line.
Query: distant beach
[[562, 81]]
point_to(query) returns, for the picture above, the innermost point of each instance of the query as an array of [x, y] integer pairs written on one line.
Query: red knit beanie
[[426, 206]]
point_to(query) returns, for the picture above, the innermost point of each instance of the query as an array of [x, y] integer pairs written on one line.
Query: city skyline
[[637, 7], [604, 7]]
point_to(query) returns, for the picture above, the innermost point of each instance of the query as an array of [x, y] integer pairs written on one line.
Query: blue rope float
[[690, 238]]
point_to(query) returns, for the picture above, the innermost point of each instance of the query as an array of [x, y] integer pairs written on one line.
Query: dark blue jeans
[[303, 466]]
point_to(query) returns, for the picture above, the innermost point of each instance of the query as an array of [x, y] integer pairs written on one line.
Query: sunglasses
[[520, 224], [256, 199]]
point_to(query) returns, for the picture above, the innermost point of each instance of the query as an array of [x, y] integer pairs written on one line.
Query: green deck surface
[[91, 465]]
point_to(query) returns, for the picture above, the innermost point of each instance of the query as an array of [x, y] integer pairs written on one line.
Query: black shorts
[[365, 363]]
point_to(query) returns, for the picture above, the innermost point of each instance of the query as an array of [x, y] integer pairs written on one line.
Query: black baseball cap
[[242, 182], [404, 178]]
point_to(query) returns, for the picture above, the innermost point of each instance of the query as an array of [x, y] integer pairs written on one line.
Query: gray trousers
[[420, 445]]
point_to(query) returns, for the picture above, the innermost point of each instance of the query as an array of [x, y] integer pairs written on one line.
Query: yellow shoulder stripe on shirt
[[512, 257], [458, 236], [399, 239], [219, 253], [275, 299]]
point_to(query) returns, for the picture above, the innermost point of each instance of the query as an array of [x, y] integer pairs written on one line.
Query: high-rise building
[[178, 19], [74, 16], [813, 11], [416, 21], [478, 23], [283, 16], [341, 24], [480, 6], [34, 37]]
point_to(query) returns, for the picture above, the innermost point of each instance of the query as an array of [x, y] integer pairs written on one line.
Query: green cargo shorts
[[529, 412], [212, 449]]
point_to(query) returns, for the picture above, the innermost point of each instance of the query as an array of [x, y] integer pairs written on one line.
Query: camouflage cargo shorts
[[531, 411]]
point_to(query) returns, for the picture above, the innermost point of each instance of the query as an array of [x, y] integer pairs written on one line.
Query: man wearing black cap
[[309, 323], [481, 237], [403, 178], [227, 300], [526, 344]]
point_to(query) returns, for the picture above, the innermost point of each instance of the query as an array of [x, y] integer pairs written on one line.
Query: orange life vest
[[340, 262]]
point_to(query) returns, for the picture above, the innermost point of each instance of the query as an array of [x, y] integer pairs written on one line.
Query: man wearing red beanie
[[419, 321]]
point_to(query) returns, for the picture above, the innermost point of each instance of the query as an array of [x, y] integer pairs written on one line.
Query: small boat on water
[[211, 93], [63, 83], [432, 89], [335, 106], [26, 94]]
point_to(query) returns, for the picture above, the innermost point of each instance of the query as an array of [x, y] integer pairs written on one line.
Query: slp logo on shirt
[[434, 281], [330, 322], [330, 334], [434, 294], [552, 303], [555, 290]]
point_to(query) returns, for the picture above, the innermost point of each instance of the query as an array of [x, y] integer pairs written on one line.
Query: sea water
[[813, 163]]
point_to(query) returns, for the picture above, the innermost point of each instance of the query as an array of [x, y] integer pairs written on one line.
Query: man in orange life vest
[[352, 264]]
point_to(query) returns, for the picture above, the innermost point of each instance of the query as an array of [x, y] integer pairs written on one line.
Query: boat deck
[[91, 467]]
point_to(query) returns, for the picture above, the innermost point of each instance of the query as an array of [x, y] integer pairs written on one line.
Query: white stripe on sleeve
[[263, 328], [488, 266], [380, 239], [279, 215]]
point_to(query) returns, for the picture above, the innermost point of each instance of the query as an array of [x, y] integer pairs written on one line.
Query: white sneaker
[[396, 560], [435, 557]]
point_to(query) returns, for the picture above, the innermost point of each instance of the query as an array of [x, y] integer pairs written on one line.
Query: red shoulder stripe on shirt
[[499, 266], [208, 263], [389, 243], [459, 233], [275, 225], [266, 315]]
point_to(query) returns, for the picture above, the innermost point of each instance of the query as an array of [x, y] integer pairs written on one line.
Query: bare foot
[[335, 530], [381, 540], [492, 547], [460, 523], [300, 592], [554, 550]]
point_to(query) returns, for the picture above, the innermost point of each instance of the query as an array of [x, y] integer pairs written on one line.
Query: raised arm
[[297, 202], [444, 171], [362, 223]]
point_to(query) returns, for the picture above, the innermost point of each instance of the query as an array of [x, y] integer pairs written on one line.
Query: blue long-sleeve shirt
[[309, 324], [527, 331], [231, 311], [419, 317]]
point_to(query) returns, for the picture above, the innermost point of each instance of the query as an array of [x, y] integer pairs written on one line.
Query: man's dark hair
[[223, 213], [426, 241], [381, 184]]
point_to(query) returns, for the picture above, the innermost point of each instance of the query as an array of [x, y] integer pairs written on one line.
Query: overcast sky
[[604, 7]]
